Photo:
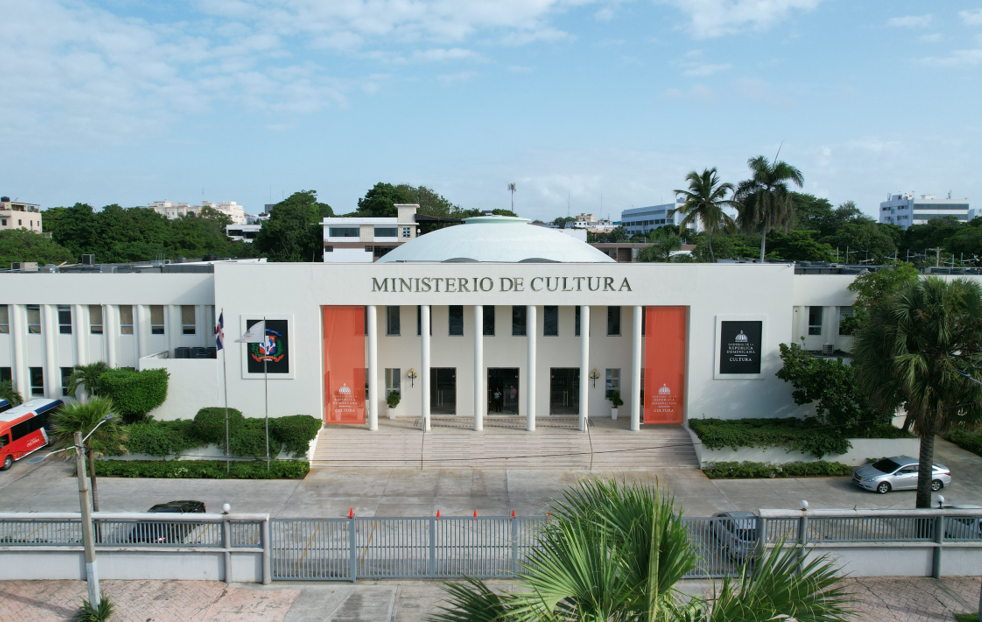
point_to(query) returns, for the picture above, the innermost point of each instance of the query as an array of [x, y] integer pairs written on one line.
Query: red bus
[[22, 429]]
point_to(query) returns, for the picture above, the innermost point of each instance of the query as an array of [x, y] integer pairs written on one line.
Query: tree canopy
[[24, 245], [293, 231], [381, 199]]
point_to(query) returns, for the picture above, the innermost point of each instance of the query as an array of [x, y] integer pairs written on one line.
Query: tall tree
[[293, 231], [909, 353], [663, 244], [24, 245], [86, 379], [704, 202], [84, 417], [766, 203]]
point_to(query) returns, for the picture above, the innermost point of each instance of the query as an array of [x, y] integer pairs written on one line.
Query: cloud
[[910, 21], [716, 18], [440, 55], [461, 76], [958, 58], [972, 17], [931, 38], [604, 15], [519, 69], [704, 69], [698, 93]]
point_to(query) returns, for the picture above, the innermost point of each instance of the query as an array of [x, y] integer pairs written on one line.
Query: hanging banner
[[664, 364], [344, 364]]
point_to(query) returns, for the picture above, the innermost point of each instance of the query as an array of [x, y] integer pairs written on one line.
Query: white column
[[175, 327], [110, 331], [636, 344], [424, 373], [584, 366], [18, 331], [80, 328], [530, 374], [49, 330], [479, 400], [200, 325], [142, 320], [372, 330]]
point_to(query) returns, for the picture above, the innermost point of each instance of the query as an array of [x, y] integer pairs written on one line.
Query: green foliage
[[9, 393], [250, 440], [831, 385], [705, 201], [798, 246], [209, 424], [134, 393], [393, 399], [24, 245], [161, 438], [873, 288], [382, 198], [864, 239], [663, 244], [766, 203], [295, 432], [86, 378], [90, 613], [761, 470], [966, 438], [790, 434], [202, 469], [84, 417], [293, 231], [615, 399]]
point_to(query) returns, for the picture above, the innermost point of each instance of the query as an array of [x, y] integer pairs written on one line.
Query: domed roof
[[496, 239]]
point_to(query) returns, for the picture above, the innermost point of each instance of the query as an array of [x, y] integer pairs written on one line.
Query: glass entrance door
[[564, 391], [503, 391], [443, 390]]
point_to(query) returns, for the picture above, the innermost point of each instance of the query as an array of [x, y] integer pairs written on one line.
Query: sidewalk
[[891, 599]]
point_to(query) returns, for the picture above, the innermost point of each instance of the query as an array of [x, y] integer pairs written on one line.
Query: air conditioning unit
[[828, 349], [88, 260]]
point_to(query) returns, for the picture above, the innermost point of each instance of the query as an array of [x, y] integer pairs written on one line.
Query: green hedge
[[209, 424], [791, 434], [966, 439], [160, 438], [203, 469], [295, 433], [759, 470], [134, 393]]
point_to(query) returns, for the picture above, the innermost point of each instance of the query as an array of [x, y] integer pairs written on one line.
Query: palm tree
[[704, 201], [663, 244], [765, 201], [83, 417], [9, 393], [617, 551], [86, 377], [512, 188], [909, 353]]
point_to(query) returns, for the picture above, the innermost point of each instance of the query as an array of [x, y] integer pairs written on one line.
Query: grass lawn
[[966, 617]]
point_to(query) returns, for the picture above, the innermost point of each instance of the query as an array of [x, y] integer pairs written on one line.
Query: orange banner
[[664, 364], [344, 364]]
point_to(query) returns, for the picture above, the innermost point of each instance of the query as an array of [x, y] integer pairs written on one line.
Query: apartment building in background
[[19, 215], [905, 209]]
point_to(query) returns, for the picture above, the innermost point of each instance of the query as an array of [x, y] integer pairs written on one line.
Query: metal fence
[[355, 548]]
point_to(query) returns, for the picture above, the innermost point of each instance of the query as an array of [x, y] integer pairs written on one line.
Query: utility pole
[[88, 539]]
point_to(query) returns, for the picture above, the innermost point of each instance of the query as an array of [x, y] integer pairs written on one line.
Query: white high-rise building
[[644, 219], [905, 210], [176, 210]]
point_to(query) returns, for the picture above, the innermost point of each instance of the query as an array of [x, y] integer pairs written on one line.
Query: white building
[[243, 233], [19, 215], [644, 219], [177, 210], [448, 320], [354, 239], [905, 210]]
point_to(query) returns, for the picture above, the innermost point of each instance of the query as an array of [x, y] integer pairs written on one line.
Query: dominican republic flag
[[220, 331]]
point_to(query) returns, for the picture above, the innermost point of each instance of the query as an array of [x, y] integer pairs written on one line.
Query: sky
[[587, 106]]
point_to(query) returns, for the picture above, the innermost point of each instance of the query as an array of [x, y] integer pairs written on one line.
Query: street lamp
[[965, 374], [88, 540]]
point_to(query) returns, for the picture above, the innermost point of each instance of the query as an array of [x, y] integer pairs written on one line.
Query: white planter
[[613, 414], [393, 412]]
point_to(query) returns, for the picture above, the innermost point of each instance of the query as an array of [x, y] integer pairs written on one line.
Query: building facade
[[178, 210], [645, 219], [19, 215], [356, 239], [905, 210], [502, 319]]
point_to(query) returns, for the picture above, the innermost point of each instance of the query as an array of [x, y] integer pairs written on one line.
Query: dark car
[[167, 532]]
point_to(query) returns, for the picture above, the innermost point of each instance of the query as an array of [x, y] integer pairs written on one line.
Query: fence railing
[[349, 549]]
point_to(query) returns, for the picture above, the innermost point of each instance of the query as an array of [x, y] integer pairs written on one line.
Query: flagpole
[[266, 384]]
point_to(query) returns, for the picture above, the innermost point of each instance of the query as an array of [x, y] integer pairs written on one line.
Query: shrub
[[393, 399], [757, 470], [295, 432], [615, 399], [209, 424], [134, 393], [91, 613], [249, 441], [161, 438], [203, 469], [789, 434], [967, 439]]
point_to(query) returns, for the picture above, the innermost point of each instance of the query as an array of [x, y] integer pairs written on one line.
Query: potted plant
[[392, 399], [615, 403]]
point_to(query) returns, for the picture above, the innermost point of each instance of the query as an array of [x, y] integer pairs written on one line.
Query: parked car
[[737, 532], [897, 473], [167, 532], [963, 527]]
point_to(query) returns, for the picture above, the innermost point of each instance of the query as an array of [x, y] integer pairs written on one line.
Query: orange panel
[[664, 364], [344, 364]]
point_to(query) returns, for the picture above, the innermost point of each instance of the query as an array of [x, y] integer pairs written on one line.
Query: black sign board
[[275, 349], [739, 348]]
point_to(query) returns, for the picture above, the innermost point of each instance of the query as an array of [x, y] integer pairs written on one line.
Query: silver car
[[897, 473], [737, 532]]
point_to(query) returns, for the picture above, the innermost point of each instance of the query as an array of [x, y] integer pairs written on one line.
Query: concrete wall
[[45, 563], [194, 384]]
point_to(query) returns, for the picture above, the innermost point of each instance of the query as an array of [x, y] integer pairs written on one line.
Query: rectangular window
[[156, 319], [386, 232], [613, 382], [576, 321], [489, 320], [37, 381], [392, 321], [393, 381], [407, 232], [456, 317], [125, 319], [188, 324], [613, 321], [95, 319], [342, 232], [34, 319], [518, 321], [4, 319], [66, 373], [6, 374], [845, 320], [814, 320], [550, 321], [419, 320], [64, 319]]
